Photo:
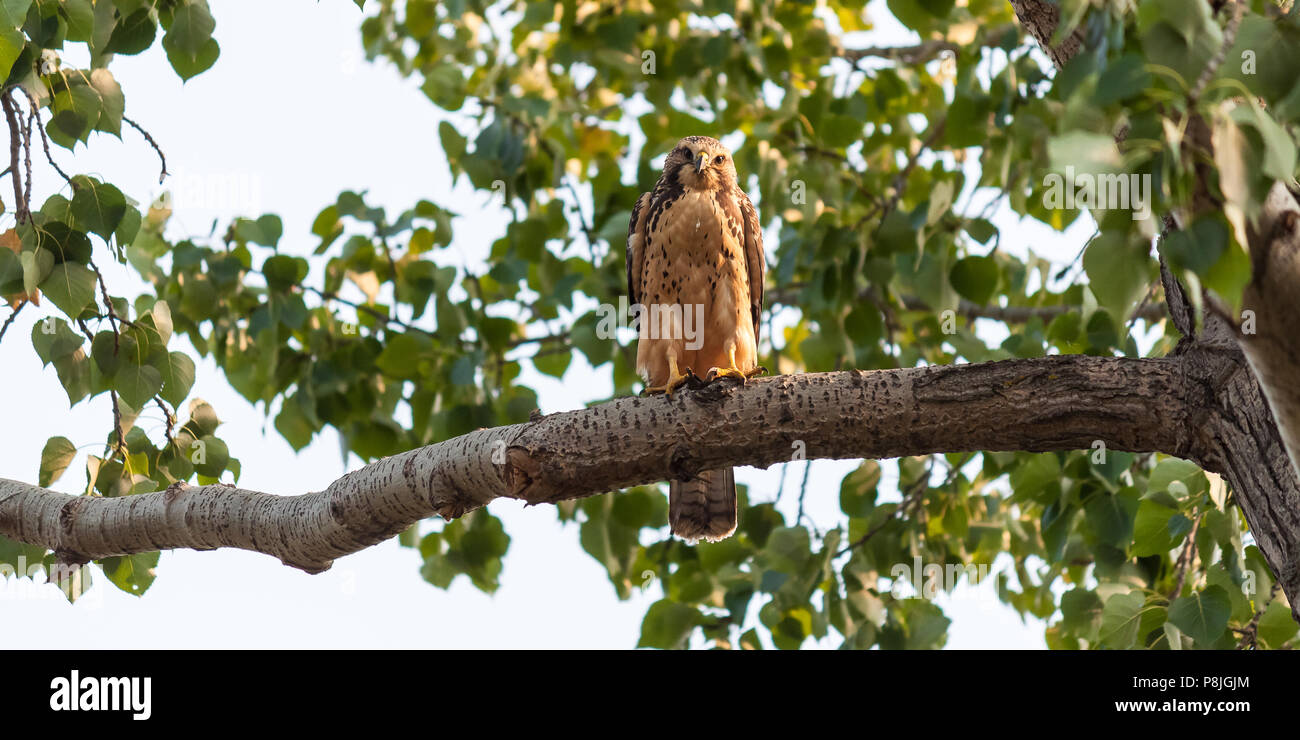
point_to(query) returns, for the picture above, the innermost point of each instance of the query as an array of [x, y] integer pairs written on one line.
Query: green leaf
[[37, 266], [97, 207], [179, 378], [188, 41], [266, 230], [1198, 247], [402, 354], [553, 363], [131, 573], [975, 279], [1176, 470], [292, 423], [132, 34], [1278, 156], [71, 287], [53, 339], [55, 458], [445, 86], [981, 230], [938, 8], [1111, 517], [1151, 535], [858, 489], [1276, 626], [1203, 616], [1120, 620], [282, 272], [1118, 273], [11, 46], [137, 383], [1081, 612], [112, 104], [667, 625], [215, 455], [1123, 78], [1086, 152], [80, 15]]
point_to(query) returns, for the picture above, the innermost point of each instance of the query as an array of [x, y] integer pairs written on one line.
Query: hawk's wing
[[755, 260], [636, 248]]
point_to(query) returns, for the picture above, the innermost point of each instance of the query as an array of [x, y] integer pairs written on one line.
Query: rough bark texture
[[1274, 348], [1051, 403], [1040, 19]]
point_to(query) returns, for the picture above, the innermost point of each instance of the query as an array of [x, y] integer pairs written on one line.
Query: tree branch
[[1051, 403], [1273, 350], [1040, 18], [922, 52]]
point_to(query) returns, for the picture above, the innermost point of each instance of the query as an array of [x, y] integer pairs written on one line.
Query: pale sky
[[292, 115]]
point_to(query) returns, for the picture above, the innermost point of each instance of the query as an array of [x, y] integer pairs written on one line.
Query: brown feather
[[704, 507]]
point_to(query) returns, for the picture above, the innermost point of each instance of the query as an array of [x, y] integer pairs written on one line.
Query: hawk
[[695, 269]]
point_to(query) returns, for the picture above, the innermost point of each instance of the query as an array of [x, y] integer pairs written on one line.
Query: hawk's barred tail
[[703, 507]]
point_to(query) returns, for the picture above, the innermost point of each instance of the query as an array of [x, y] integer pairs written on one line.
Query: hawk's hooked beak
[[700, 162]]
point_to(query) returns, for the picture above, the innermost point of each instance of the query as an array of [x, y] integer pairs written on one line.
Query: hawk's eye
[[719, 159]]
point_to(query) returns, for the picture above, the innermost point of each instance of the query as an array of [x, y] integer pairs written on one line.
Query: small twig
[[803, 491], [112, 394], [557, 337], [1064, 271], [361, 307], [587, 229], [913, 495], [21, 211], [170, 418], [45, 141], [1184, 560], [780, 489], [1146, 300], [117, 426], [27, 157], [108, 305], [161, 157], [85, 330], [922, 52], [1211, 69], [4, 328], [900, 180], [1250, 635]]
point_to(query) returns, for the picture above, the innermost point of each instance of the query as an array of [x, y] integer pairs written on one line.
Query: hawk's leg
[[675, 379], [728, 372]]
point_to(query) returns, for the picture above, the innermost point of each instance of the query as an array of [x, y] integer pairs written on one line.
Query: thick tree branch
[[1273, 349], [1051, 403], [1040, 18]]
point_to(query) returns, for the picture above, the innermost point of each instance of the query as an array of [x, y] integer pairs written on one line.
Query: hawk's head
[[701, 163]]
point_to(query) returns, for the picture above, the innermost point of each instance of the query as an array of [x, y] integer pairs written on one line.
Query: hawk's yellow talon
[[726, 372], [675, 380], [729, 372]]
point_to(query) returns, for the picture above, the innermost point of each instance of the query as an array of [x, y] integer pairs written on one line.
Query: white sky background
[[292, 110]]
